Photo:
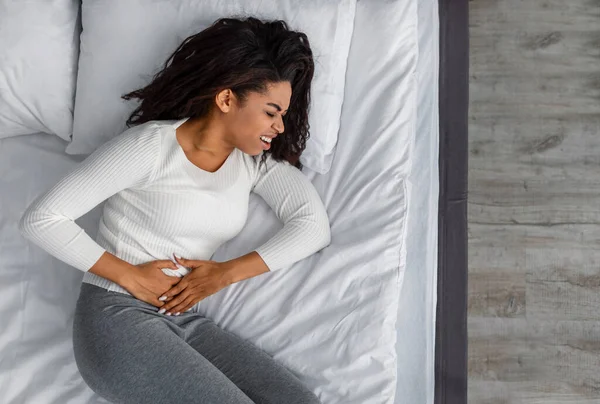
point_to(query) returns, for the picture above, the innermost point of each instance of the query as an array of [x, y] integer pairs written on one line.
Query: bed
[[398, 173]]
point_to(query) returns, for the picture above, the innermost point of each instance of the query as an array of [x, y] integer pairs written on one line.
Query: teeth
[[266, 139]]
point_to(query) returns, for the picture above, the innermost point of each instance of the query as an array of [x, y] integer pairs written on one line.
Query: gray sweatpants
[[128, 353]]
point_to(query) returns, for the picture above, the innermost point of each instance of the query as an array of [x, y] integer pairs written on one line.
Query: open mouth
[[266, 142]]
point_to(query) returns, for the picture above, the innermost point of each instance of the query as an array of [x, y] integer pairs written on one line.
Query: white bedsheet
[[294, 314], [418, 299]]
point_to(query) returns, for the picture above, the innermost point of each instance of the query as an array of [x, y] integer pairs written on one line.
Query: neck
[[206, 135]]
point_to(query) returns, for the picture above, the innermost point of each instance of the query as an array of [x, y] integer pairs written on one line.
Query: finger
[[188, 302], [187, 263], [174, 280], [154, 301], [167, 298], [174, 302], [167, 308], [181, 260], [166, 264], [186, 308], [174, 291]]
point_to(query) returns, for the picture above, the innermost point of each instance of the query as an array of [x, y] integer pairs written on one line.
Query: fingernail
[[162, 298], [161, 311], [178, 313], [168, 313], [177, 256]]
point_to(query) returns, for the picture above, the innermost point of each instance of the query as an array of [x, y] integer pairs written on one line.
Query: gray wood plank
[[537, 355], [534, 202]]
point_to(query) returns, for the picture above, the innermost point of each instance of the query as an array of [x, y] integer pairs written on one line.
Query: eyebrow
[[274, 105]]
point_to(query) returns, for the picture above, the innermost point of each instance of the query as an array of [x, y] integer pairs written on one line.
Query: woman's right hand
[[148, 282]]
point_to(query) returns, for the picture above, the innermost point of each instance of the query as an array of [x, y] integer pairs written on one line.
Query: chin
[[256, 153]]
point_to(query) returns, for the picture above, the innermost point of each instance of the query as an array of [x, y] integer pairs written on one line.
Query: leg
[[128, 353], [254, 371]]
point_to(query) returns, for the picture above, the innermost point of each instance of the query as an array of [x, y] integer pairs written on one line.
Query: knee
[[95, 372], [94, 379]]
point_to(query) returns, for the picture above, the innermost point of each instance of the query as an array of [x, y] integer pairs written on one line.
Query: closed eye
[[271, 115]]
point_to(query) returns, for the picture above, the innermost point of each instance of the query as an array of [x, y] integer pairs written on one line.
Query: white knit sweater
[[160, 203]]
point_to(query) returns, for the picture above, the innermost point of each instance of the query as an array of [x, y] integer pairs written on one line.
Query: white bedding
[[418, 299], [288, 314]]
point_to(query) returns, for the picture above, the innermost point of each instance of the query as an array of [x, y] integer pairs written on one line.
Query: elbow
[[316, 235], [323, 229], [323, 234], [321, 239], [29, 223]]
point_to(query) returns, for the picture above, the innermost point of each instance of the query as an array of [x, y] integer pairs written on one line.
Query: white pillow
[[124, 43], [39, 47]]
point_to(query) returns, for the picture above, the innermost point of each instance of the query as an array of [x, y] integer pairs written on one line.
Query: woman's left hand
[[206, 278]]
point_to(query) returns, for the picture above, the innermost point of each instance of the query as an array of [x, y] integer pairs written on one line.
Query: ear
[[224, 100]]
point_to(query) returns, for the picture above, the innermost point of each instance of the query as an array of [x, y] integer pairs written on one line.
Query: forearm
[[113, 268], [244, 267]]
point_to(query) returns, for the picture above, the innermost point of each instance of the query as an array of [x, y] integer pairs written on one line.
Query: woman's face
[[261, 115]]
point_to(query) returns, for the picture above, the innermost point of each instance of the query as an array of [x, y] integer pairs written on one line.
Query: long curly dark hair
[[243, 55]]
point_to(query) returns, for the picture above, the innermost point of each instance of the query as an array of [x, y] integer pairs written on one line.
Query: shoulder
[[138, 147], [151, 130], [145, 139]]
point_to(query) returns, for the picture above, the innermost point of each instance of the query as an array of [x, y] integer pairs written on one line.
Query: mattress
[[396, 163]]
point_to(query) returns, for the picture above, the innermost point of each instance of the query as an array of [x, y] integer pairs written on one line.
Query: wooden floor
[[534, 202]]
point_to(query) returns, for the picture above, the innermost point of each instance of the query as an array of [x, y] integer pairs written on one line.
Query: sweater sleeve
[[297, 204], [126, 160]]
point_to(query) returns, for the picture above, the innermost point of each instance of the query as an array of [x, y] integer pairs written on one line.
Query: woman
[[178, 182]]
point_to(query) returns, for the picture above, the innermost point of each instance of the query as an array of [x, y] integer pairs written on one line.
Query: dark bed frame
[[451, 313]]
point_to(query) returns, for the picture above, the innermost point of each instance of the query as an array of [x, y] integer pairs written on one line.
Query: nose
[[278, 125]]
